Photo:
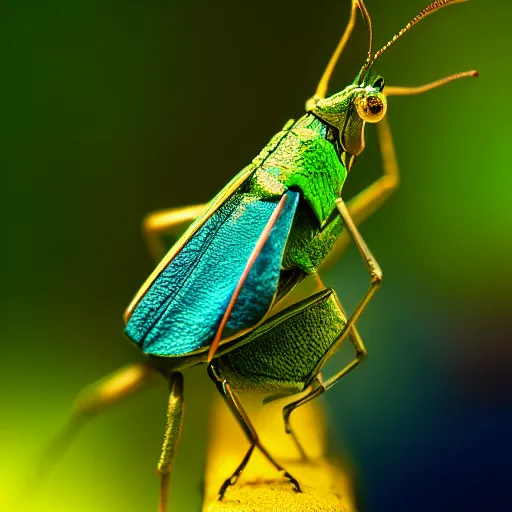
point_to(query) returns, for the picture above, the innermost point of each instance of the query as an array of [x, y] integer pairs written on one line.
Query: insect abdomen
[[284, 352]]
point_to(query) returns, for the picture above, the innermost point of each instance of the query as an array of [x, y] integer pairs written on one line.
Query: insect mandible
[[221, 295]]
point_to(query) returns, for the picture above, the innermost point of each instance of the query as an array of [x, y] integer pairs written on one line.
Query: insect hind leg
[[285, 354], [89, 403], [243, 420]]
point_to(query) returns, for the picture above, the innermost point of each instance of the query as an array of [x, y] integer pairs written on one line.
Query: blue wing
[[182, 309]]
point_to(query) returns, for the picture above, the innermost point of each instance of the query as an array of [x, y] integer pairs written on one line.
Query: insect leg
[[369, 260], [349, 327], [369, 200], [171, 436], [287, 351], [240, 415], [364, 204], [319, 386], [167, 222], [90, 402]]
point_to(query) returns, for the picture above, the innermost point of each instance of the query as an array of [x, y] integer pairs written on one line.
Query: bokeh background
[[109, 110]]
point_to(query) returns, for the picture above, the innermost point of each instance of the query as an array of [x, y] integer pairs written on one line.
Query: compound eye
[[371, 107]]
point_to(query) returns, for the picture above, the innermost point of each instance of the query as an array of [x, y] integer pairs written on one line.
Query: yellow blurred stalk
[[325, 484]]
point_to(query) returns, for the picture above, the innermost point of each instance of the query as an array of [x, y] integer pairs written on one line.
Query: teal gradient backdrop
[[113, 109]]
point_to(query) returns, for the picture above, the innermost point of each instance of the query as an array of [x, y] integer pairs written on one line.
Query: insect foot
[[293, 481], [227, 483]]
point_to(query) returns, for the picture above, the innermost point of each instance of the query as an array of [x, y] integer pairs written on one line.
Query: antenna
[[406, 91], [430, 9]]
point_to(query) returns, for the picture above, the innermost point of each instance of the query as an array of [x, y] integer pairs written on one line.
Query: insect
[[223, 295]]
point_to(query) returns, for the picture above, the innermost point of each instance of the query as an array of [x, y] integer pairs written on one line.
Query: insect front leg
[[157, 225], [240, 415], [371, 264], [171, 436], [369, 200]]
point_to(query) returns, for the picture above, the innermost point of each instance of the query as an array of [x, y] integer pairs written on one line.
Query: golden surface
[[325, 485]]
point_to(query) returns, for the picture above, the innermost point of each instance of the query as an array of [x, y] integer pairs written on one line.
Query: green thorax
[[301, 157]]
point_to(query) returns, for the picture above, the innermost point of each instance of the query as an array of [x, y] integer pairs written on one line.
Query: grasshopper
[[225, 294]]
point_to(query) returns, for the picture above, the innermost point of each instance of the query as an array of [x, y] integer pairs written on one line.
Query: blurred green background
[[113, 109]]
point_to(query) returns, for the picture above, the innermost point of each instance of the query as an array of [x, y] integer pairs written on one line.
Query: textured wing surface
[[182, 309]]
